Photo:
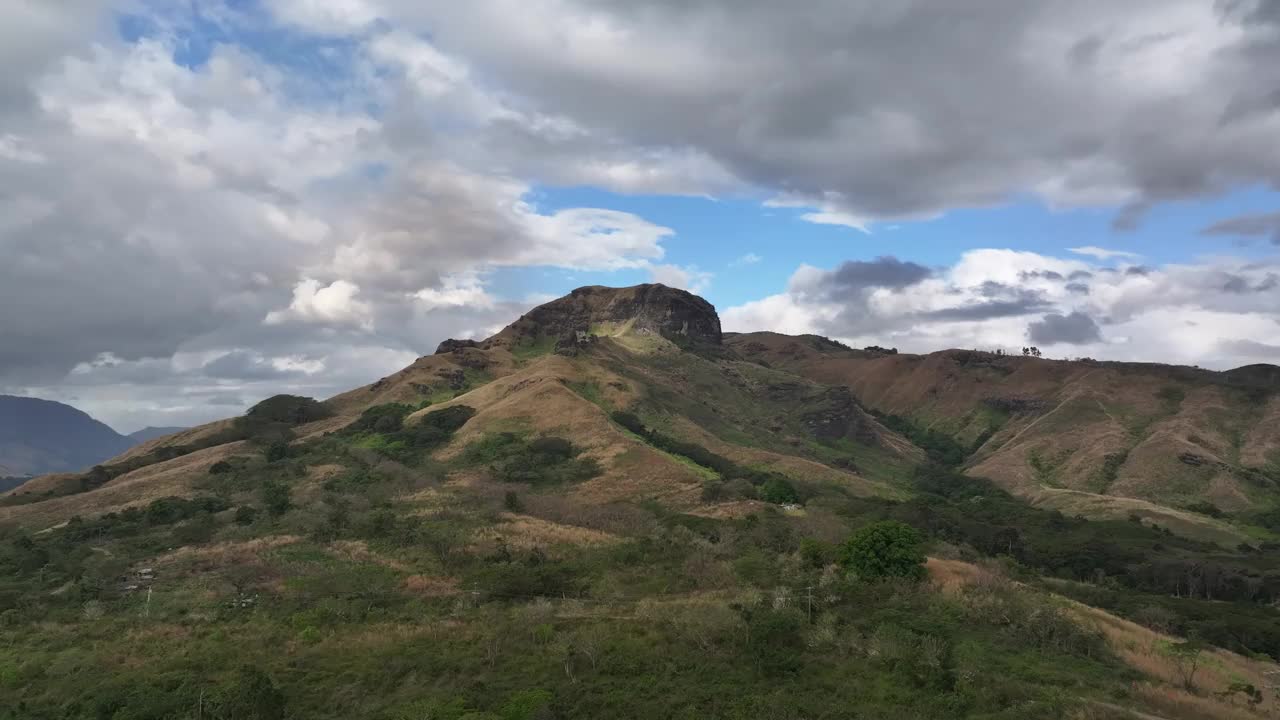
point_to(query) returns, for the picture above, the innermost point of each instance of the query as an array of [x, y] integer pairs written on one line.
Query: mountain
[[612, 508], [1082, 436], [42, 436], [151, 433]]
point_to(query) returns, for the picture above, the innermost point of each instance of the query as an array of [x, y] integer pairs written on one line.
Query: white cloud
[[1103, 253], [455, 291], [327, 16], [332, 304], [745, 260], [685, 278]]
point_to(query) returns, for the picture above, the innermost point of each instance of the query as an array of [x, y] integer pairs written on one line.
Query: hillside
[[1082, 436], [612, 509], [42, 436], [151, 433]]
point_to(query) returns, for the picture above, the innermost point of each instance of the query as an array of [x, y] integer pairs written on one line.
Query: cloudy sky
[[204, 203]]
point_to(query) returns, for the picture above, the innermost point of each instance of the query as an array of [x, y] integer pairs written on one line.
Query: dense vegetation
[[773, 487]]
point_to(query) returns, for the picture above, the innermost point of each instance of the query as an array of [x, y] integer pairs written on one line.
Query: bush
[[289, 409], [887, 549], [779, 492], [276, 498], [221, 467], [544, 461], [511, 501], [387, 418]]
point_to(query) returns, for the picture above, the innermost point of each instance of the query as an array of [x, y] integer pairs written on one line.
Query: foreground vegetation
[[361, 574]]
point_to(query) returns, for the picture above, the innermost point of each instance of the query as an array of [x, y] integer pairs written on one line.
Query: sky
[[206, 203]]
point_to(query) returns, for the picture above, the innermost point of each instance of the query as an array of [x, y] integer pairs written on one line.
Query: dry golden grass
[[525, 532], [1178, 704], [431, 586], [1262, 443], [954, 575], [171, 477], [54, 482], [184, 437], [1092, 505], [786, 464], [427, 371], [1146, 651], [537, 398], [223, 554], [358, 551]]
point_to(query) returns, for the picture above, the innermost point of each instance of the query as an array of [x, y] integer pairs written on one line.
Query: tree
[[887, 549], [778, 491], [1186, 656]]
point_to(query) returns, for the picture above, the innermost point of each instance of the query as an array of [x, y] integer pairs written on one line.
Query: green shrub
[[778, 491], [544, 461], [387, 418], [276, 498], [887, 549], [289, 409]]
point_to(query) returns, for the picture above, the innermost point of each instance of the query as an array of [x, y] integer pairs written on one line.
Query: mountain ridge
[[40, 436]]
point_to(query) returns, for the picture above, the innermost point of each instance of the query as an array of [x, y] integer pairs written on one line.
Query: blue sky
[[206, 203]]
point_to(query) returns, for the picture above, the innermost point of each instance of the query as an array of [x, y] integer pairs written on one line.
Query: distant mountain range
[[42, 436], [151, 433]]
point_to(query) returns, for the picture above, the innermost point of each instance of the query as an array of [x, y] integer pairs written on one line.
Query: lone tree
[[887, 549]]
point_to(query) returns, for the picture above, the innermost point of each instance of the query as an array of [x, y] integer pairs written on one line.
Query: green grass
[[532, 348], [589, 391]]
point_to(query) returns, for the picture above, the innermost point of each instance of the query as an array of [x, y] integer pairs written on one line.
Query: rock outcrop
[[679, 316]]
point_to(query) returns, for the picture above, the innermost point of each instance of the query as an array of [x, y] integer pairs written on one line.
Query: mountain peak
[[651, 308]]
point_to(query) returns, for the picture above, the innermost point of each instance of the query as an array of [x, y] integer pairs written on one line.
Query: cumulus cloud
[[336, 303], [684, 278], [1206, 314]]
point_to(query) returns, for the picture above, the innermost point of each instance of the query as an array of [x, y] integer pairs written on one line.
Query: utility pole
[[147, 610], [809, 595]]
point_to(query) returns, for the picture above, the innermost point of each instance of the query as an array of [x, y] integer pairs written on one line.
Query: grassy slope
[[1170, 436]]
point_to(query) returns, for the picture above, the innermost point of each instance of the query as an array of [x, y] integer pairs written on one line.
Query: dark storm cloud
[[1265, 225], [1252, 349], [852, 278], [986, 310], [1039, 275], [1074, 329]]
